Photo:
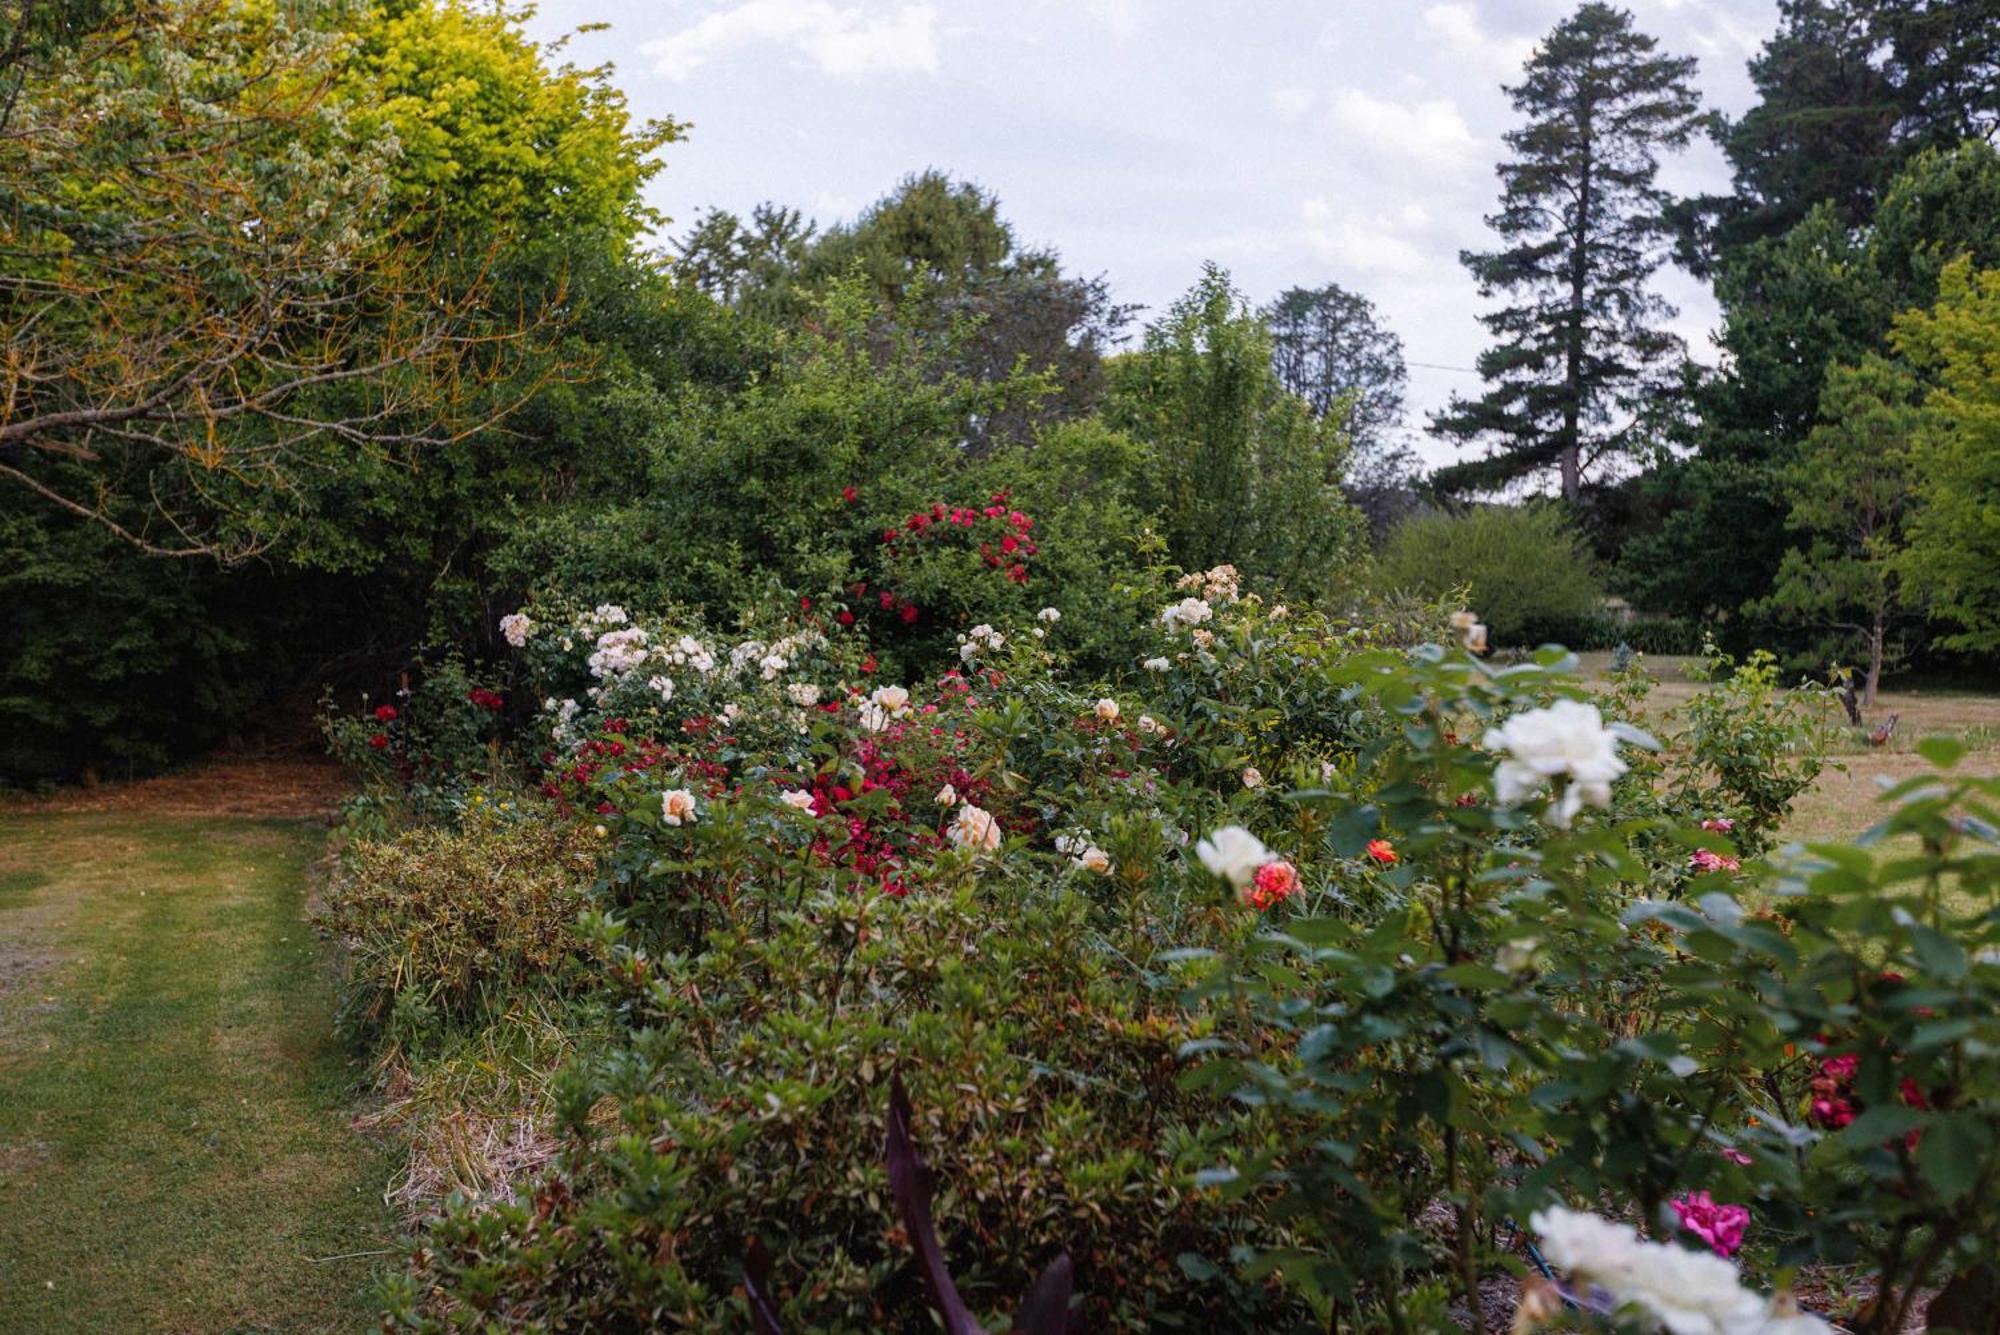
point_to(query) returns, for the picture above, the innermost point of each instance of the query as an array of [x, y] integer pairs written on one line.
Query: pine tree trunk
[[1571, 458]]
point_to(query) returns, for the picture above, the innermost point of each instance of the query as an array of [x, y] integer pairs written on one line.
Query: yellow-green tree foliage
[[492, 133], [1953, 553]]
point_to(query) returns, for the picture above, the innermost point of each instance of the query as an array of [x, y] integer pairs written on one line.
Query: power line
[[1434, 366]]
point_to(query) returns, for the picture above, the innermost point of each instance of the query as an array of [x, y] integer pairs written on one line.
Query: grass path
[[175, 1153]]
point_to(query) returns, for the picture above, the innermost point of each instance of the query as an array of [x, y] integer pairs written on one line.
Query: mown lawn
[[1845, 800], [175, 1149]]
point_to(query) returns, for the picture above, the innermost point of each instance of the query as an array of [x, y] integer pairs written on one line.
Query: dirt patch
[[17, 1159], [298, 787]]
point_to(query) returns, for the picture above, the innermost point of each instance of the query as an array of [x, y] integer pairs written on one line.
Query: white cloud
[[1292, 103], [1122, 18], [1428, 134], [847, 41], [1366, 245], [1455, 29]]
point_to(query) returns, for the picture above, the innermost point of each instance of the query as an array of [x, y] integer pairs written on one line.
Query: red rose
[[385, 713], [1382, 851], [378, 741], [849, 495], [846, 618]]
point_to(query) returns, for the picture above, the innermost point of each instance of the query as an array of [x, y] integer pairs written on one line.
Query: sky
[[1293, 143]]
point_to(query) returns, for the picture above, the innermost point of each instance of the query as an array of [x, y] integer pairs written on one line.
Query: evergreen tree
[[1583, 220], [1849, 92], [1822, 132]]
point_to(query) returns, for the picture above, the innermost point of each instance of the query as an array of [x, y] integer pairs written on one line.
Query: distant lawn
[[175, 1153]]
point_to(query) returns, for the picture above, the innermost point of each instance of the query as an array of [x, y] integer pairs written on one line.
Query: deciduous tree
[[202, 300], [1850, 493], [1953, 551]]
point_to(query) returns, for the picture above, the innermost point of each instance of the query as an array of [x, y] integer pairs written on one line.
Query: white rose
[[1049, 615], [661, 686], [1107, 710], [1682, 1289], [676, 806], [1252, 777], [1092, 859], [798, 799], [946, 796], [1567, 738], [1157, 665], [874, 718], [1233, 853], [803, 694], [893, 699], [516, 627], [975, 829]]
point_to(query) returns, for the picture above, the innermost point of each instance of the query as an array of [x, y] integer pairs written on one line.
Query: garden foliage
[[1288, 976]]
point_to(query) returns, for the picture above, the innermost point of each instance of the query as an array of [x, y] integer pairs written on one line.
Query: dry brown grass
[[1843, 803]]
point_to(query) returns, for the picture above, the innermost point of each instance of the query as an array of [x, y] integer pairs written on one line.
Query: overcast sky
[[1291, 142]]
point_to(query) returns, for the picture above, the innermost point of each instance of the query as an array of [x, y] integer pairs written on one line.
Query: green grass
[[175, 1149]]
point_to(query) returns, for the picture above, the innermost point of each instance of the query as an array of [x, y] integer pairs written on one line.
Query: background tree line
[[333, 330]]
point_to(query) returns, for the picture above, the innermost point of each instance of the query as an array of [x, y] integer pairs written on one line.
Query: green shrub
[[750, 1103], [1528, 570], [421, 756], [442, 926]]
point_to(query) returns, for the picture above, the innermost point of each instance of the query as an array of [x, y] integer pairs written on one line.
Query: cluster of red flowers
[[1274, 883], [490, 701], [1832, 1105], [384, 714], [1004, 544], [1834, 1101], [570, 784]]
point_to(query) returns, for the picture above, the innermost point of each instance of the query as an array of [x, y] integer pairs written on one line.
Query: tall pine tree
[[1580, 350]]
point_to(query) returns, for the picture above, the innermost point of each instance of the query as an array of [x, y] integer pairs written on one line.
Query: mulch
[[255, 785]]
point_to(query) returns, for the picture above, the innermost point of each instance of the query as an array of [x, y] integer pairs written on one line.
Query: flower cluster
[[1000, 530], [1706, 860], [981, 638], [1188, 613], [1832, 1091], [1219, 585]]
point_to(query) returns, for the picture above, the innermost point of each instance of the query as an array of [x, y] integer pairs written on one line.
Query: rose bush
[[1277, 978]]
